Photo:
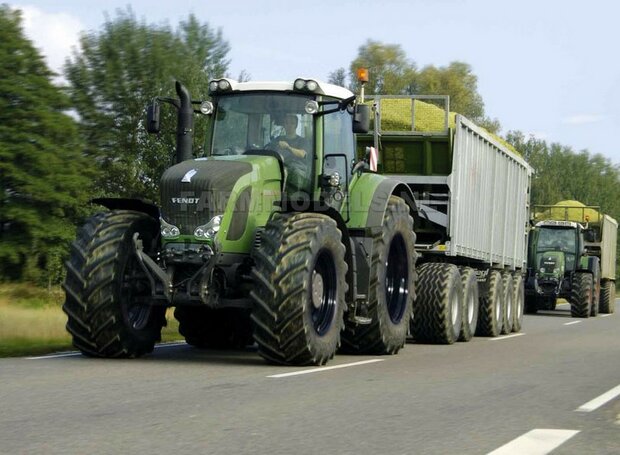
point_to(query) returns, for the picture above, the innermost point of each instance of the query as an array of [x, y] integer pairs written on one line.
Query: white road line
[[600, 400], [321, 369], [605, 315], [506, 337], [574, 322], [535, 442], [76, 353]]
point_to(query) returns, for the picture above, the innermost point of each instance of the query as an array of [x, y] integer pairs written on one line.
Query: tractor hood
[[240, 189]]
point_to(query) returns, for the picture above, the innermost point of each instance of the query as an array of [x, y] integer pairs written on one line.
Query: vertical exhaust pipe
[[185, 124]]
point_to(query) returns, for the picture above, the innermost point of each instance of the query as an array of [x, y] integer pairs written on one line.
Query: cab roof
[[324, 88]]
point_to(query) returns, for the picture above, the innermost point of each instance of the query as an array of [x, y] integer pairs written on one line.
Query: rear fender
[[137, 205]]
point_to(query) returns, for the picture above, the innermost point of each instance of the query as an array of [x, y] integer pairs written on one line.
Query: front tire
[[300, 289], [391, 288], [108, 295]]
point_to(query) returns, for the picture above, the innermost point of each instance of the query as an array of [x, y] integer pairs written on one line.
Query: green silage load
[[396, 115], [570, 211]]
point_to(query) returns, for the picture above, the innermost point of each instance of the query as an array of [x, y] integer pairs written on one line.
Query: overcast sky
[[545, 67]]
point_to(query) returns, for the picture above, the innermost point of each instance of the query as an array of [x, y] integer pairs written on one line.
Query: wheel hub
[[317, 289]]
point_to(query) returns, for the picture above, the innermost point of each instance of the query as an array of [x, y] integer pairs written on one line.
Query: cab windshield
[[562, 240], [270, 122]]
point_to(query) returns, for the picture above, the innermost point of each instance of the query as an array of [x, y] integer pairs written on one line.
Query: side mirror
[[152, 118], [361, 119]]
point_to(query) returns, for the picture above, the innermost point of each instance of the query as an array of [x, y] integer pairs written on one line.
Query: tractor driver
[[294, 152], [290, 142]]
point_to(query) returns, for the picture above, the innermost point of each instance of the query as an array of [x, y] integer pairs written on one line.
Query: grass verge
[[32, 322]]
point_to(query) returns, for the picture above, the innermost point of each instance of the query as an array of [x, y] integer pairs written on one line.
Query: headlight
[[208, 231], [219, 85], [168, 231], [312, 107], [206, 107], [303, 85]]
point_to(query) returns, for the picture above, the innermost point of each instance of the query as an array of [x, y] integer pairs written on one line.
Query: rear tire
[[581, 295], [471, 296], [508, 306], [391, 289], [608, 297], [437, 309], [209, 328], [300, 288], [490, 315], [518, 301], [108, 295]]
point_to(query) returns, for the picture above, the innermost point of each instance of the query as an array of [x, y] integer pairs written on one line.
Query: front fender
[[368, 197]]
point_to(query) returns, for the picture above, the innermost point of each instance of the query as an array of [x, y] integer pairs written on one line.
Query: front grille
[[189, 204]]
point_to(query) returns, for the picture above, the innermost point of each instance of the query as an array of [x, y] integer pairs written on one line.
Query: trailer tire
[[437, 309], [490, 315], [471, 296], [596, 289], [391, 289], [104, 283], [608, 297], [581, 295], [209, 328], [518, 301], [508, 304], [300, 287]]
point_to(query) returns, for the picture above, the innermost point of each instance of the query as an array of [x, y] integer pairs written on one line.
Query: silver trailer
[[472, 193]]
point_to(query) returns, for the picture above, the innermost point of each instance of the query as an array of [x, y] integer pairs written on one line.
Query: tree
[[115, 74], [390, 70], [45, 179], [338, 77], [392, 73]]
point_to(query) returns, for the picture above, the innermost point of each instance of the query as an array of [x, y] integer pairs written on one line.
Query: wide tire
[[437, 309], [471, 295], [391, 288], [608, 297], [108, 295], [518, 301], [508, 310], [596, 289], [300, 289], [490, 316], [581, 295], [208, 328]]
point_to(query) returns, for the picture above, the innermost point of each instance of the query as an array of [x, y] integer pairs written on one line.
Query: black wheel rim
[[323, 293], [397, 279], [135, 294]]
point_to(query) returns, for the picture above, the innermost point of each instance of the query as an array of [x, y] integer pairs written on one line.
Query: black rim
[[134, 295], [323, 293], [396, 279]]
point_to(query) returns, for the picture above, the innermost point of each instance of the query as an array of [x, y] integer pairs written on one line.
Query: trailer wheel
[[208, 328], [508, 304], [608, 297], [437, 309], [596, 289], [581, 295], [108, 295], [518, 301], [299, 289], [490, 315], [391, 289], [471, 294]]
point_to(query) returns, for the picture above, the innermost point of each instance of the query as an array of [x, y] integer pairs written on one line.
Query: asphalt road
[[531, 393]]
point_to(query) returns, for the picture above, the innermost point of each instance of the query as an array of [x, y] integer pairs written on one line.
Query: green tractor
[[559, 266], [276, 236]]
